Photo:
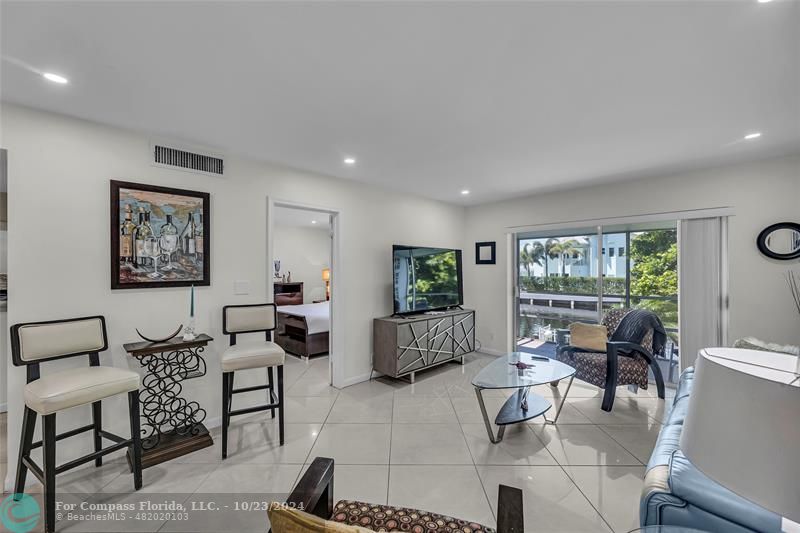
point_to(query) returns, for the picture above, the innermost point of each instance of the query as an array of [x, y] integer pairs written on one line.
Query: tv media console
[[404, 345]]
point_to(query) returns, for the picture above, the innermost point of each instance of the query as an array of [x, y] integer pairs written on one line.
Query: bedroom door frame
[[336, 344]]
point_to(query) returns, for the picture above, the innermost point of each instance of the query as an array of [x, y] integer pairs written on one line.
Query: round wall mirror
[[780, 241]]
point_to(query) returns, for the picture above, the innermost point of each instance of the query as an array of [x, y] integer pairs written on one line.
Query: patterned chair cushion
[[388, 518], [591, 368]]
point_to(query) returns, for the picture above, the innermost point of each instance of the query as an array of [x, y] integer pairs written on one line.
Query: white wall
[[304, 252], [761, 193], [59, 172]]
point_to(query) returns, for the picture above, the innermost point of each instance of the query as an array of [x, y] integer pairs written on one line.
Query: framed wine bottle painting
[[159, 237]]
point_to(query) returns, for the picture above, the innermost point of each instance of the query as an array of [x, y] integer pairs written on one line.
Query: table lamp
[[742, 428], [326, 277]]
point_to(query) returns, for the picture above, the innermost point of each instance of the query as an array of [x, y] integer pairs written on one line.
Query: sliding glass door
[[558, 285], [566, 277]]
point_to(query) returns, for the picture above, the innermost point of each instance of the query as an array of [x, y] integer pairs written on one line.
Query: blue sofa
[[676, 493]]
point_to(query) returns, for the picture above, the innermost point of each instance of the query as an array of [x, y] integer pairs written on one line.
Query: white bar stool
[[255, 353], [36, 342]]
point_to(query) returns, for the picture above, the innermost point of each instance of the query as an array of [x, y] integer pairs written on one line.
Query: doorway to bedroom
[[300, 276]]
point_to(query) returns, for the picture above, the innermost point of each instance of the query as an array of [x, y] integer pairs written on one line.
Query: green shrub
[[583, 285]]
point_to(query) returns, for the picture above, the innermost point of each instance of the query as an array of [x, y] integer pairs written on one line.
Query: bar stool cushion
[[252, 354], [78, 386]]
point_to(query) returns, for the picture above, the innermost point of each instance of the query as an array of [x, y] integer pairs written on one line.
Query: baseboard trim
[[489, 351], [355, 380], [211, 423]]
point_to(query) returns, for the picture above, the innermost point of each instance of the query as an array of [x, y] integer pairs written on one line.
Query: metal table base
[[522, 397]]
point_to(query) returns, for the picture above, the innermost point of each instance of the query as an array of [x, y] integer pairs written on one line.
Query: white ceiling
[[499, 98], [301, 218]]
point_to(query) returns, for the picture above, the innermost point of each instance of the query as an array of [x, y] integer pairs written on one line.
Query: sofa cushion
[[388, 518]]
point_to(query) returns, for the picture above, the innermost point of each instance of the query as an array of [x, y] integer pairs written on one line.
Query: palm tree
[[525, 258], [570, 248], [552, 251], [537, 252], [531, 254]]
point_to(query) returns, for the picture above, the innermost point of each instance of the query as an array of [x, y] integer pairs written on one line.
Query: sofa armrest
[[509, 510], [656, 494], [656, 480], [314, 492], [691, 485]]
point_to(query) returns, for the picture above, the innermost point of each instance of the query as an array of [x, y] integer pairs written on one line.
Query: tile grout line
[[610, 436], [596, 510], [474, 465], [564, 470], [321, 428], [592, 423], [389, 459], [599, 426]]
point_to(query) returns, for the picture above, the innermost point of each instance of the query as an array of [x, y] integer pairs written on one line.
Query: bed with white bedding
[[304, 329]]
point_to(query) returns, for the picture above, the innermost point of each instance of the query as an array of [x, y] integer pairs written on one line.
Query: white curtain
[[703, 285]]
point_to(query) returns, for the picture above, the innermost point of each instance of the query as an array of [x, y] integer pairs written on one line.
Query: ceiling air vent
[[181, 159]]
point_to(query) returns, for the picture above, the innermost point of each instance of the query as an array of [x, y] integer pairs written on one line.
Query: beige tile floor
[[421, 445]]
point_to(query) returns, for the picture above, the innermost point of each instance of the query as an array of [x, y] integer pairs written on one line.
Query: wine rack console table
[[172, 425], [404, 345]]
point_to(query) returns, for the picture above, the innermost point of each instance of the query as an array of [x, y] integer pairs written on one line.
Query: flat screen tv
[[426, 279]]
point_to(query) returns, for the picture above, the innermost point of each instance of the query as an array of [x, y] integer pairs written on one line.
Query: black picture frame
[[492, 245], [761, 241], [204, 197]]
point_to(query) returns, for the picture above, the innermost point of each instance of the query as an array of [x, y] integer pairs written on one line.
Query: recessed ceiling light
[[55, 78], [313, 221], [750, 136], [349, 160], [465, 192], [764, 1]]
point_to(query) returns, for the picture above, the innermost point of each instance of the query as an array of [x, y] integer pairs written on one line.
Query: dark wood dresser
[[288, 293]]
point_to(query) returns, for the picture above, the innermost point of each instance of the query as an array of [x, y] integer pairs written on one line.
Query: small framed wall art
[[160, 237], [485, 253]]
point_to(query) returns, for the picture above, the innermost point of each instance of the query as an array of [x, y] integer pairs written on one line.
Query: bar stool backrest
[[36, 342], [251, 318]]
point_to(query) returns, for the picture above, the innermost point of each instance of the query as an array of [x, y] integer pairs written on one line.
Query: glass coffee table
[[520, 371]]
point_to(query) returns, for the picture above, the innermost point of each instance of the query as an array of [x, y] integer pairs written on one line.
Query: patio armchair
[[314, 495], [622, 363]]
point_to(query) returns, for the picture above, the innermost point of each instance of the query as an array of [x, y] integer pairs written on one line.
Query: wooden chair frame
[[314, 494]]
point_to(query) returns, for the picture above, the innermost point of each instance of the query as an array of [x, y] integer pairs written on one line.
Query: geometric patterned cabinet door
[[404, 345], [463, 334]]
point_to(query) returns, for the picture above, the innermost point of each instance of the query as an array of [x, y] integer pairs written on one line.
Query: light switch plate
[[241, 287]]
